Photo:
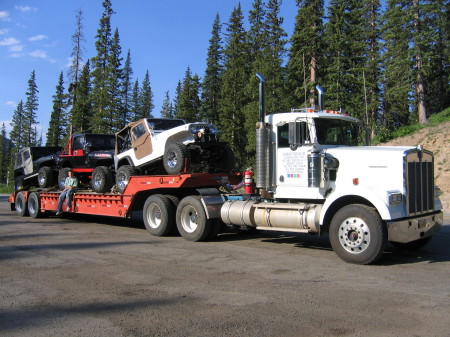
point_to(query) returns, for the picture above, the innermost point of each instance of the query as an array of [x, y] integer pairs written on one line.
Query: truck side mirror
[[87, 147]]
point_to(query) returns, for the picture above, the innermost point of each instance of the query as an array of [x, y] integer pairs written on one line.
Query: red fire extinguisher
[[248, 181]]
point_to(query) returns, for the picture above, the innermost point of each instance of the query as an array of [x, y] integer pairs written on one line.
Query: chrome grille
[[419, 182]]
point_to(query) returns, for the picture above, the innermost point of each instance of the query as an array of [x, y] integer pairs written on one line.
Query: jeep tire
[[62, 175], [176, 158], [123, 175], [45, 177], [102, 179]]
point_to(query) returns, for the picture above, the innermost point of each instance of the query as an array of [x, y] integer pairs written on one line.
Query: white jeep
[[163, 146]]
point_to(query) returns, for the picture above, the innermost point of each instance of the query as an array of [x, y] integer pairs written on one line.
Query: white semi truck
[[313, 178]]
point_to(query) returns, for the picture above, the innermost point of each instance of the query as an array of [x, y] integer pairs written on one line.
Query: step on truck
[[311, 177]]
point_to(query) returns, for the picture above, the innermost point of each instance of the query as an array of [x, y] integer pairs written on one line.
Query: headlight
[[395, 197]]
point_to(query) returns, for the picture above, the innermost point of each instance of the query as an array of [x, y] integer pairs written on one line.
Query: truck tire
[[158, 214], [175, 202], [21, 204], [413, 245], [123, 175], [62, 175], [102, 179], [357, 234], [19, 183], [191, 219], [176, 158], [34, 205], [45, 177]]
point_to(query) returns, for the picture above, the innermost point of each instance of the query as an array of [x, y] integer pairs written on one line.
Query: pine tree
[[58, 118], [167, 107], [135, 104], [30, 110], [100, 93], [76, 66], [213, 76], [397, 75], [145, 99], [176, 100], [114, 121], [17, 133], [306, 55], [235, 78], [127, 91], [188, 101], [81, 112], [4, 155]]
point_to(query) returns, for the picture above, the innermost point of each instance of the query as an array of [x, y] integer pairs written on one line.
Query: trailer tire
[[175, 157], [158, 214], [413, 245], [357, 234], [175, 202], [45, 177], [62, 175], [191, 219], [34, 205], [123, 176], [102, 179], [21, 204]]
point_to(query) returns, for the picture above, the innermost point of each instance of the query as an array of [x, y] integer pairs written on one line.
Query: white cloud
[[25, 9], [9, 41], [37, 38], [16, 48], [38, 54], [11, 103], [4, 31], [17, 55], [4, 16]]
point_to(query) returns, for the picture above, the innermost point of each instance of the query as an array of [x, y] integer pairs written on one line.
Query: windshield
[[165, 124], [101, 142], [336, 132]]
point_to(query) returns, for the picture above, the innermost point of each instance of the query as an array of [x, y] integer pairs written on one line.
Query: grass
[[433, 120], [6, 189]]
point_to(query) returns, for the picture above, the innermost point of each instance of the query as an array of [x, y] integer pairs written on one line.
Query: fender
[[369, 194], [122, 161]]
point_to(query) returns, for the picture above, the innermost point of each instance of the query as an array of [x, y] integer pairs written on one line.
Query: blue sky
[[164, 37]]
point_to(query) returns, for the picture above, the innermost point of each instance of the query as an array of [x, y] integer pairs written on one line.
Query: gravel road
[[92, 276]]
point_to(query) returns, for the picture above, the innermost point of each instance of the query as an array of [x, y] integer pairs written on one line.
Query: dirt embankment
[[436, 139]]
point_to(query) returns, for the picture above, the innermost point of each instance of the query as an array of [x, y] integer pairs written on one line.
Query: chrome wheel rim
[[354, 235], [172, 159], [189, 219], [154, 216]]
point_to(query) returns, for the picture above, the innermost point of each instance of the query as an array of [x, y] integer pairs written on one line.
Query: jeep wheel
[[102, 179], [18, 182], [45, 177], [224, 159], [123, 177], [175, 157], [62, 175]]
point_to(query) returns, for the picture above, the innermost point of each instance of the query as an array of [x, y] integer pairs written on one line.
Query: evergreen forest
[[386, 63]]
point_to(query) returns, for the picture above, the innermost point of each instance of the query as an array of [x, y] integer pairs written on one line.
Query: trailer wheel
[[174, 158], [123, 176], [34, 205], [62, 175], [357, 234], [102, 179], [21, 204], [158, 215], [191, 219], [413, 245], [45, 177]]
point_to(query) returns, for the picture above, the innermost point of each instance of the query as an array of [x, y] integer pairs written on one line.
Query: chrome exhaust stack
[[262, 142]]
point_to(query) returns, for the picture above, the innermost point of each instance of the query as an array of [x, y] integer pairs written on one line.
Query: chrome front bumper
[[413, 229]]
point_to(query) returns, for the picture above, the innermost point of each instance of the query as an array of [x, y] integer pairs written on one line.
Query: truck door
[[141, 140], [79, 156], [292, 148]]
